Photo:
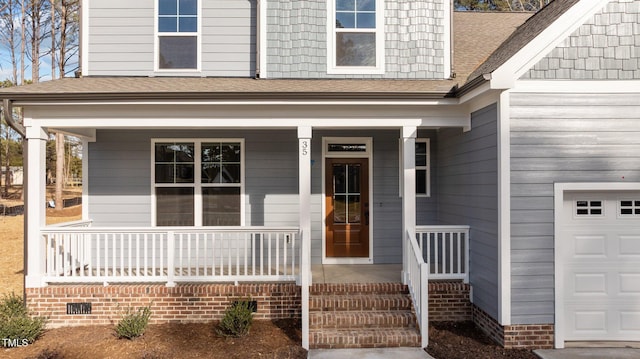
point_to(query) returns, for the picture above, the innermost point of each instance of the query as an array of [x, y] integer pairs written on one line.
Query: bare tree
[[500, 5], [23, 38]]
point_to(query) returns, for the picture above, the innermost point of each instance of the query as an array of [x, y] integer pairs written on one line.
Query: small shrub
[[237, 319], [133, 322], [15, 323]]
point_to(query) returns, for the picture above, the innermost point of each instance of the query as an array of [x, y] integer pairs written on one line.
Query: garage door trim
[[559, 196]]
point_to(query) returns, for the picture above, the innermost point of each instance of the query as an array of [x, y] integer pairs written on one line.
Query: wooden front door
[[347, 206]]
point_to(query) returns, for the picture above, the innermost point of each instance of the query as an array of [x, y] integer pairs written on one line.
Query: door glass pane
[[339, 209], [347, 207], [221, 206], [354, 209], [339, 179], [354, 179], [174, 206]]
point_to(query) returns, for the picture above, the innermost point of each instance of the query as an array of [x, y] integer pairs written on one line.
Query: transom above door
[[347, 198]]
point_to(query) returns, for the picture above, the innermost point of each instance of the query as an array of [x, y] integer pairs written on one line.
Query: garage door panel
[[601, 265], [629, 283], [629, 246], [590, 283], [590, 322], [630, 322], [590, 246]]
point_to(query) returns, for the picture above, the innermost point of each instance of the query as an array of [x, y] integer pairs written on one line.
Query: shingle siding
[[414, 40], [604, 48]]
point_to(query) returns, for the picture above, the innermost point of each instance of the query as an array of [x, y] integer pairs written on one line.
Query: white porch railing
[[418, 283], [170, 254], [446, 250]]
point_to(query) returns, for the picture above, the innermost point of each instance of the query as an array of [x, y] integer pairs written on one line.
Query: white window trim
[[332, 68], [366, 154], [156, 44], [427, 167], [197, 185]]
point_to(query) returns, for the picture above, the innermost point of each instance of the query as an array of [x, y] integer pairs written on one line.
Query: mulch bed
[[463, 340]]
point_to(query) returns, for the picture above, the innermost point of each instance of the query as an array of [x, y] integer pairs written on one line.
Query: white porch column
[[408, 192], [304, 192], [85, 179], [35, 210]]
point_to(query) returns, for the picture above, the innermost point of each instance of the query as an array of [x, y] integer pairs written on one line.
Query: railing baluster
[[269, 249], [284, 255], [246, 258], [277, 267], [80, 255], [254, 251]]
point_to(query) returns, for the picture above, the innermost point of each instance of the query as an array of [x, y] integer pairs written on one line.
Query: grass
[[12, 247]]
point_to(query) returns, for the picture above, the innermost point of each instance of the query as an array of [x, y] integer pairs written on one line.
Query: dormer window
[[356, 38], [178, 39]]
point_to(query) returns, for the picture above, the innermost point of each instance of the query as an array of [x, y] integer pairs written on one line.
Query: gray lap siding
[[120, 181], [560, 138], [467, 191]]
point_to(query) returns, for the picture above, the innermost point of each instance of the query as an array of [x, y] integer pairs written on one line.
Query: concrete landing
[[588, 353], [374, 353]]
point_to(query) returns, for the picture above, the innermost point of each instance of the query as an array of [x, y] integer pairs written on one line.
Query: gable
[[606, 47]]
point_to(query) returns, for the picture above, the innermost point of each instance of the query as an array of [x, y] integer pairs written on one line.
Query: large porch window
[[198, 183]]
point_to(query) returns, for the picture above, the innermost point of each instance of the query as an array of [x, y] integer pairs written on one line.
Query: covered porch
[[279, 230]]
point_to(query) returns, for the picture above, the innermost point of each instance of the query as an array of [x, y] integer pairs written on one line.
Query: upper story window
[[356, 37], [178, 35]]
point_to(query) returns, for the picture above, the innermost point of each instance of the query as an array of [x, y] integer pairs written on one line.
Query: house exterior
[[243, 142]]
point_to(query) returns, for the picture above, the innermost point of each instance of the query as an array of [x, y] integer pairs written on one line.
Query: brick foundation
[[449, 301], [529, 336], [183, 303]]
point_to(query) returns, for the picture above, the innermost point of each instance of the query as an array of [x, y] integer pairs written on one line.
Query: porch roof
[[476, 36]]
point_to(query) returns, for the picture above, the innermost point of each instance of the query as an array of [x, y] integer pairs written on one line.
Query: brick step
[[359, 302], [363, 338], [358, 288], [362, 319]]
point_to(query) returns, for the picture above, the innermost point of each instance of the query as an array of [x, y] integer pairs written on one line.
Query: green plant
[[15, 324], [133, 322], [237, 319]]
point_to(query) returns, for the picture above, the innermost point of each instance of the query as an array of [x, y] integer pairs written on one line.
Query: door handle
[[366, 214]]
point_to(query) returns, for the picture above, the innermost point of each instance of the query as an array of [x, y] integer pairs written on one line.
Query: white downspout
[[261, 39]]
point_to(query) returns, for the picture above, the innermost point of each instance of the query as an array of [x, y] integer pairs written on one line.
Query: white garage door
[[601, 260]]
